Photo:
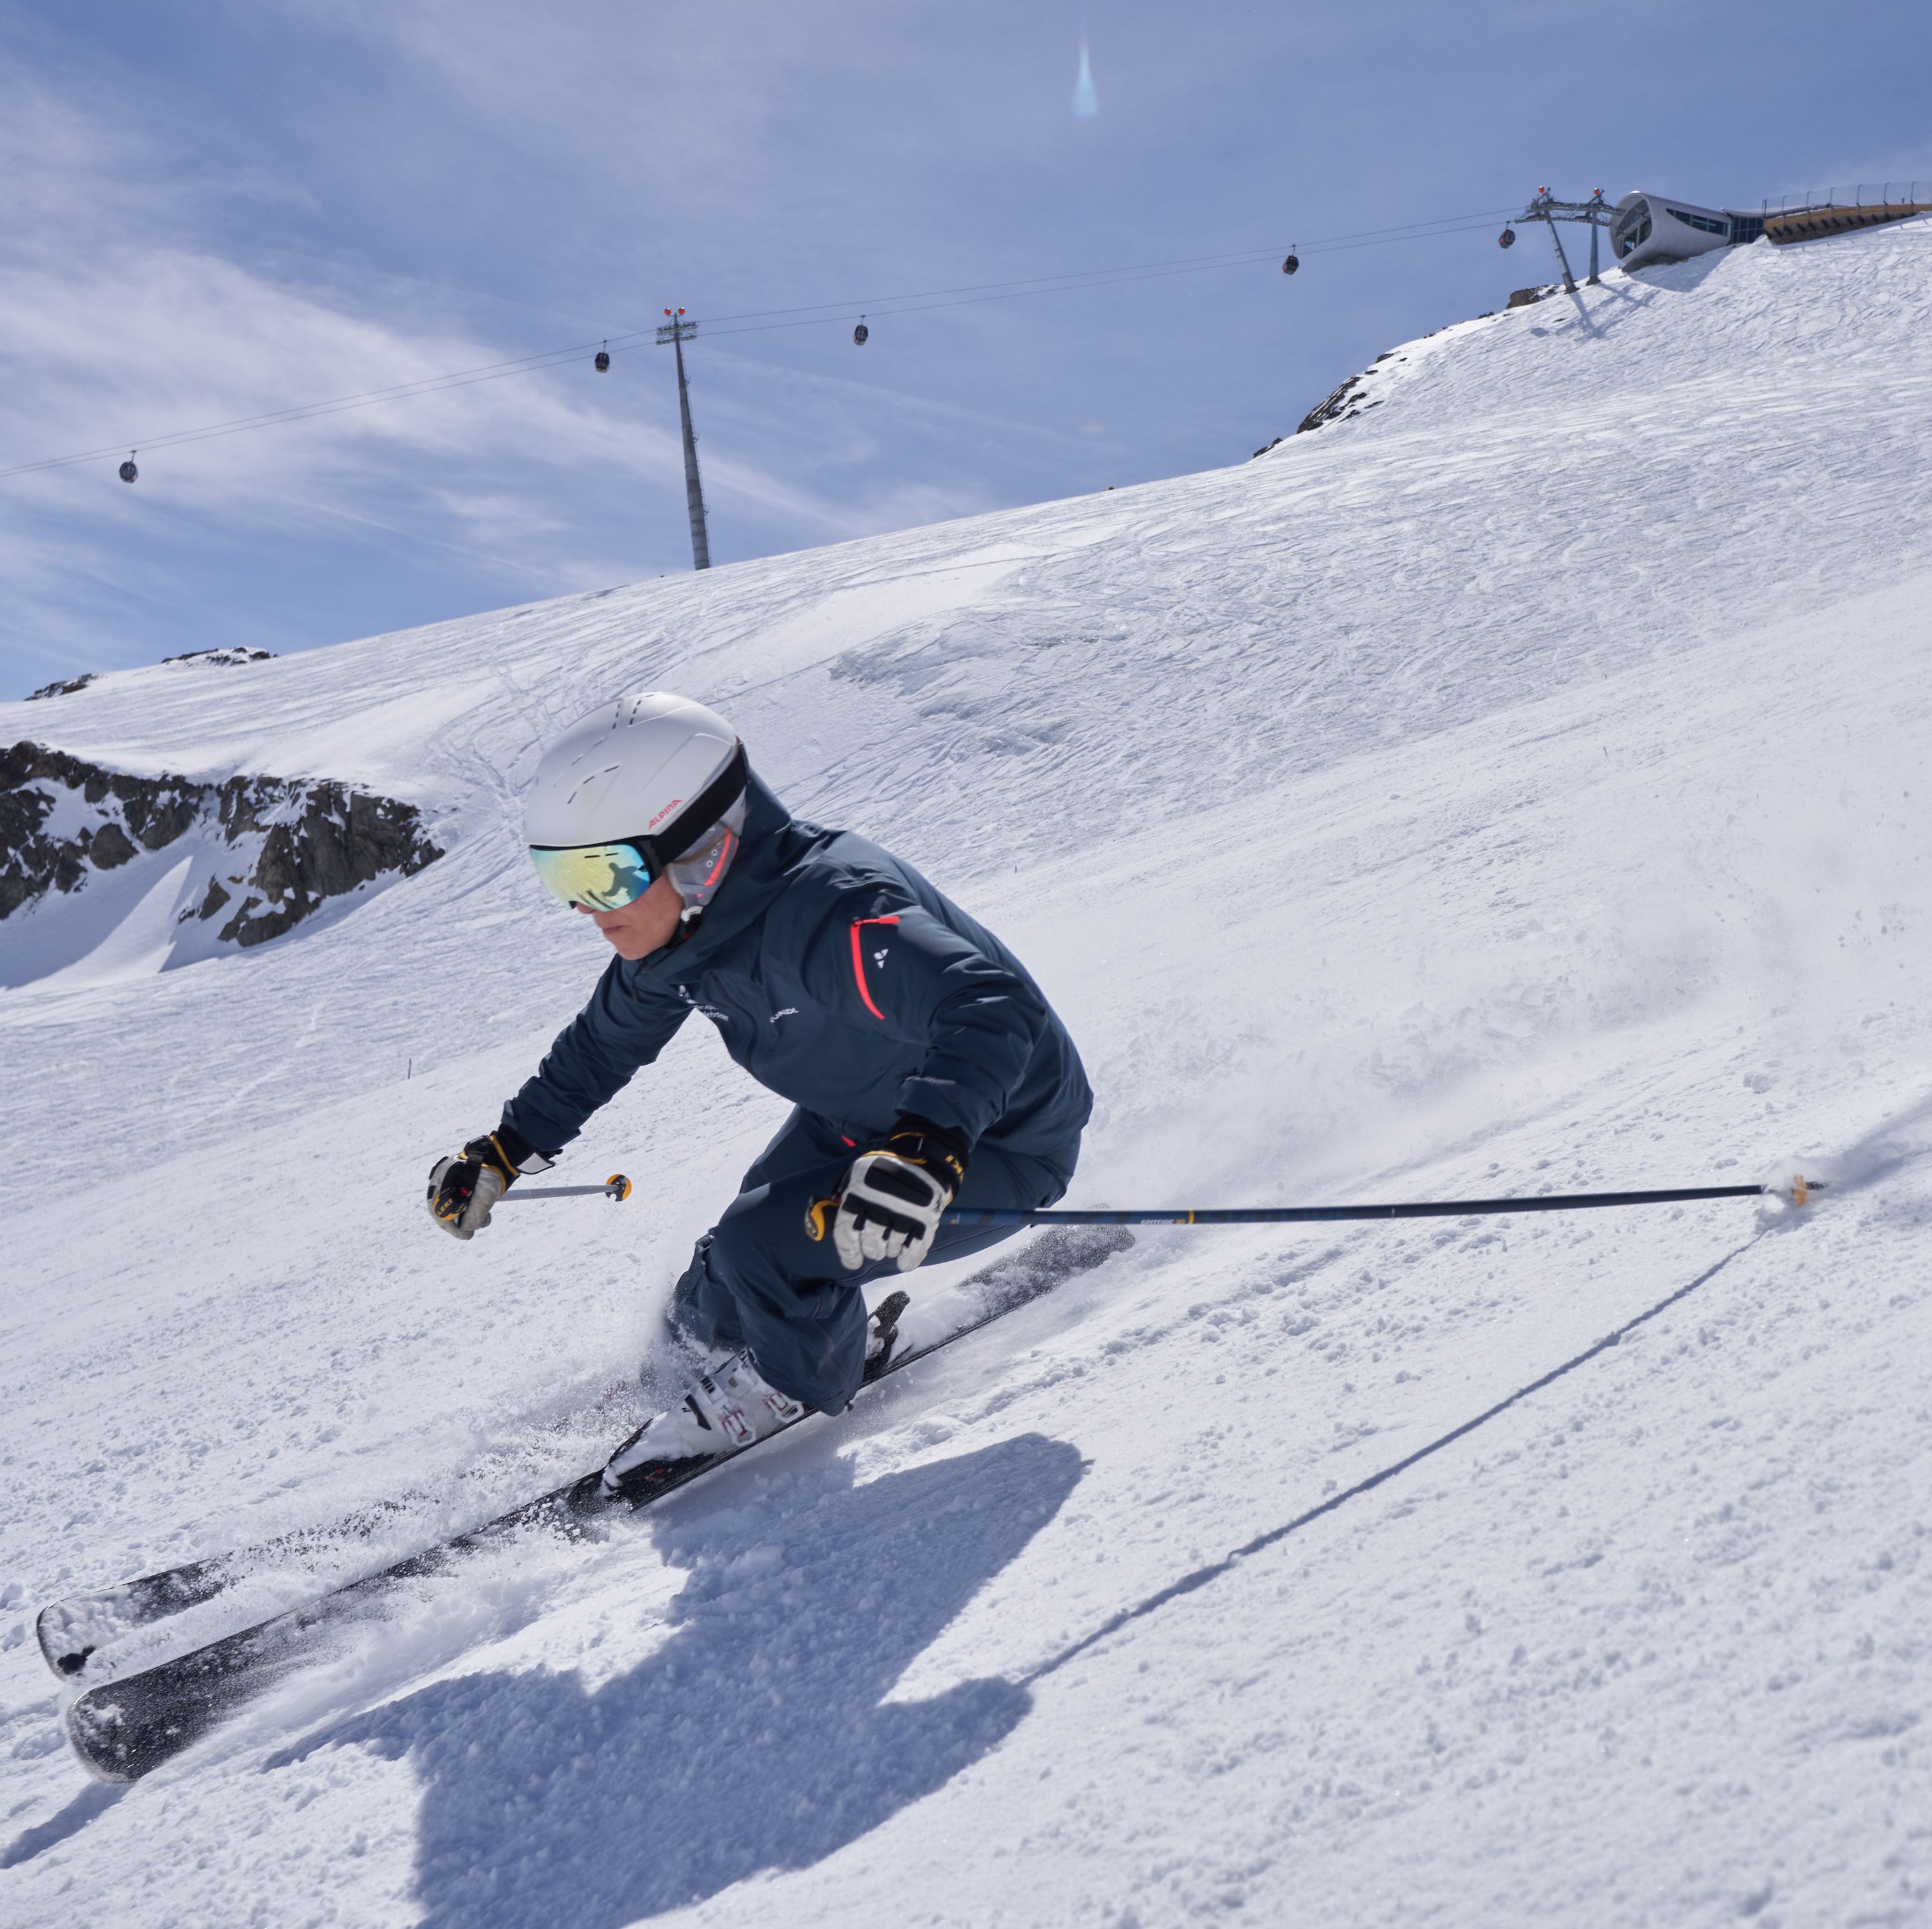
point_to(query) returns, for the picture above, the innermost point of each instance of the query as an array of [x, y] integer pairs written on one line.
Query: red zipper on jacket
[[858, 961]]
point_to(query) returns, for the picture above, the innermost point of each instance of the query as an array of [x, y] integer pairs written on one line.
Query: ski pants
[[758, 1280]]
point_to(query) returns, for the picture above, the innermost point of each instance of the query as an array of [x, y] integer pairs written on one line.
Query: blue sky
[[212, 211]]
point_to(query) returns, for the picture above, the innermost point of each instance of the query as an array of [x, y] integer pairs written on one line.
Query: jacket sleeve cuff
[[518, 1150]]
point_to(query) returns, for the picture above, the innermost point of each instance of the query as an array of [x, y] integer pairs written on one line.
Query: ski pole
[[1798, 1191], [616, 1186]]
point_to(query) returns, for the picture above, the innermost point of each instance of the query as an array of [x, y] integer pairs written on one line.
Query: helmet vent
[[586, 786]]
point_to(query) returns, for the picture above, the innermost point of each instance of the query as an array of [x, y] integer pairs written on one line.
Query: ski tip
[[62, 1652], [90, 1729], [618, 1186]]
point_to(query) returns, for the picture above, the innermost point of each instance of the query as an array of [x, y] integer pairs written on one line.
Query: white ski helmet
[[650, 784]]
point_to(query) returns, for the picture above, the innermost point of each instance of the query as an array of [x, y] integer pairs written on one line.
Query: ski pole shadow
[[1204, 1576], [756, 1738]]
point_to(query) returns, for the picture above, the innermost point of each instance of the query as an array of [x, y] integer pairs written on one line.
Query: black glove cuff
[[940, 1148], [514, 1146], [508, 1151]]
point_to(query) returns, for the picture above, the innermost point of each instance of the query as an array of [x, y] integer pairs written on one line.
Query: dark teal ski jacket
[[839, 978]]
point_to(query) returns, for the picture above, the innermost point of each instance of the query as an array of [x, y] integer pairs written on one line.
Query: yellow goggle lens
[[605, 876]]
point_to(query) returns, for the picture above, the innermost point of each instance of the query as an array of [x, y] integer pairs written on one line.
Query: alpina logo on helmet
[[675, 804]]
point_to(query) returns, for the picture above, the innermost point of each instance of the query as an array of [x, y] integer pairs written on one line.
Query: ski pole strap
[[616, 1186], [1797, 1192]]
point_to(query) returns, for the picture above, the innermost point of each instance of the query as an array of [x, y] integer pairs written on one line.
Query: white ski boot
[[730, 1407]]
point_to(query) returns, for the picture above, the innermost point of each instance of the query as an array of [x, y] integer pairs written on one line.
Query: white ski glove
[[890, 1204], [464, 1186]]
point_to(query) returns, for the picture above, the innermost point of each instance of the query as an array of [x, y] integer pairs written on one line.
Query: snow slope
[[1521, 786]]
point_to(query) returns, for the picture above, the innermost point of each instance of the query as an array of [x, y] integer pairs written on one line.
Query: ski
[[124, 1728], [73, 1629]]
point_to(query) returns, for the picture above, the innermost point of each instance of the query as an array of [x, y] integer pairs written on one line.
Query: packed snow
[[1520, 787]]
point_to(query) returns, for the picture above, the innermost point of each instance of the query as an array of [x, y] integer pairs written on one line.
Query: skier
[[924, 1064]]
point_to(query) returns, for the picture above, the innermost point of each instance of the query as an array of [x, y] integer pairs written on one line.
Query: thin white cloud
[[118, 321]]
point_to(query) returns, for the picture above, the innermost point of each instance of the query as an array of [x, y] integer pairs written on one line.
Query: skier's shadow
[[754, 1738]]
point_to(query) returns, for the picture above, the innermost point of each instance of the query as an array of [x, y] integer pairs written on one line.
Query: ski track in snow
[[1520, 787]]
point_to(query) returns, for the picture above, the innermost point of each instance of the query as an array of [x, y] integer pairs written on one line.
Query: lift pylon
[[1595, 212], [677, 331]]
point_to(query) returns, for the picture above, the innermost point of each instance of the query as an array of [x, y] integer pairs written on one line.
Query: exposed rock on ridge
[[1352, 398], [233, 654], [60, 689], [289, 846]]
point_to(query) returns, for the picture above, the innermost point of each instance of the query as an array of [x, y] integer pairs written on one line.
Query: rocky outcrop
[[283, 847], [1338, 408], [233, 654], [238, 652], [1353, 398], [66, 689]]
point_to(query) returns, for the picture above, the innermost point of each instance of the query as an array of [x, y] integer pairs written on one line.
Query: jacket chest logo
[[711, 1012]]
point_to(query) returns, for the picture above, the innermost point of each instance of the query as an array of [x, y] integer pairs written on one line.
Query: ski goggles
[[600, 877], [607, 877]]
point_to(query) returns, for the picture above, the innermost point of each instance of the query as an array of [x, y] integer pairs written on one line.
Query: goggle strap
[[703, 811]]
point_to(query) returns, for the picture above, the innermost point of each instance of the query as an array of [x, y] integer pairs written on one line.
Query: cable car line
[[1416, 230], [762, 321], [401, 391], [712, 332]]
